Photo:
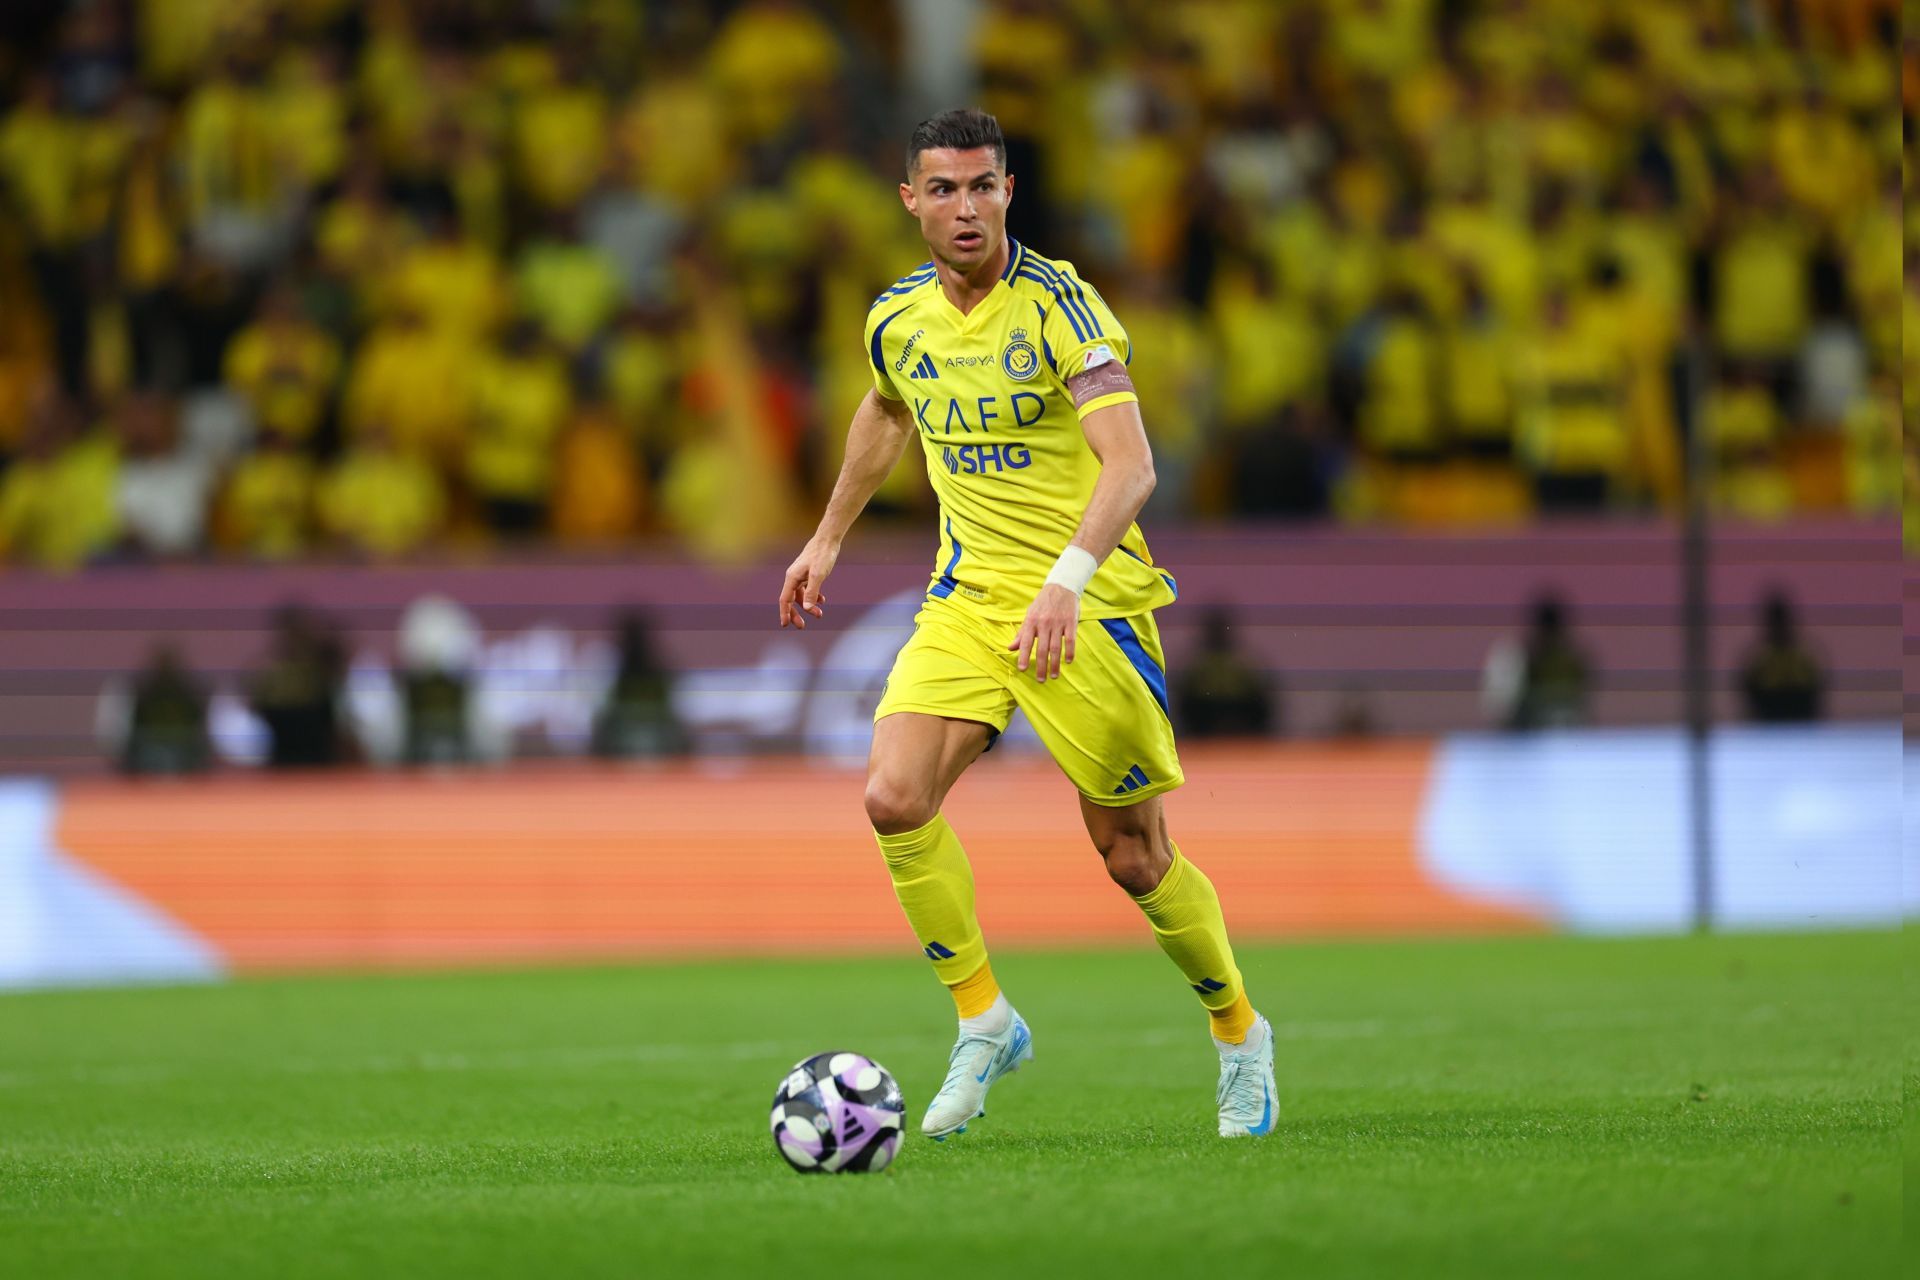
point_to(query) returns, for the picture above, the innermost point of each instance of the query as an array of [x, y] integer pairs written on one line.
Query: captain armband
[[1104, 378]]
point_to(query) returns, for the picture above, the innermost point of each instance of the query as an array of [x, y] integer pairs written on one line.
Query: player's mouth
[[969, 240]]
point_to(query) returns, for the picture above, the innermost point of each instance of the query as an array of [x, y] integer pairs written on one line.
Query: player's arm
[[1114, 432], [880, 431], [1119, 439]]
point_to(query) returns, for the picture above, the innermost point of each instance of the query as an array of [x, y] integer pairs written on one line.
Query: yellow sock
[[934, 882], [975, 995], [1185, 914], [1232, 1023]]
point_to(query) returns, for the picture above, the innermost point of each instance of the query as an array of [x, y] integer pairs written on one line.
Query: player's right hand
[[801, 593]]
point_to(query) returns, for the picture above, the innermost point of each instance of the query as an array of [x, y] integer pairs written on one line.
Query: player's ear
[[906, 198], [1007, 185]]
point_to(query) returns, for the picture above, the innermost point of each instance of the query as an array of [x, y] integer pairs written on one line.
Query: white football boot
[[1249, 1102], [978, 1060]]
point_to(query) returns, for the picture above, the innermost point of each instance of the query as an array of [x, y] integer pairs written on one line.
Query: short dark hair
[[961, 129]]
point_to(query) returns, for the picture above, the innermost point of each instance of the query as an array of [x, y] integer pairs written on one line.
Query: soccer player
[[1012, 374]]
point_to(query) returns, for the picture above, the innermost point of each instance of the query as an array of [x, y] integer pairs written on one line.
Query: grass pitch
[[1531, 1107]]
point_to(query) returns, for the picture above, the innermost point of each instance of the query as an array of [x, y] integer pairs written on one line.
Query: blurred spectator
[[299, 693], [521, 400], [451, 282], [163, 489], [1220, 693], [1399, 420], [1760, 271], [158, 723], [285, 366], [768, 59], [1744, 426], [380, 502], [1574, 434], [1477, 359], [1541, 681], [637, 718], [57, 499], [1781, 680], [1832, 364], [439, 644], [569, 288], [633, 228], [599, 487], [359, 236], [413, 383], [560, 130], [267, 506], [1268, 347]]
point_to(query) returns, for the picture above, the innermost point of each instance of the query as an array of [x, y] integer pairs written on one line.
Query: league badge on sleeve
[[1020, 360]]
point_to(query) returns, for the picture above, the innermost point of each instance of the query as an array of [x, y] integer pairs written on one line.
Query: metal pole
[[1695, 622]]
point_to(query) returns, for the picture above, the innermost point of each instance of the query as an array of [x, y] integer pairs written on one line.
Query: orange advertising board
[[580, 862]]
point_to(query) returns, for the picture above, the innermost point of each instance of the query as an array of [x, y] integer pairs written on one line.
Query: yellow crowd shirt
[[1002, 437]]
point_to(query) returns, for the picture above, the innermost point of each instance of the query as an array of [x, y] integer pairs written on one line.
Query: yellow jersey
[[1002, 437]]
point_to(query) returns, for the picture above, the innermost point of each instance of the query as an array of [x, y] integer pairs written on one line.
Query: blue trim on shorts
[[1123, 635]]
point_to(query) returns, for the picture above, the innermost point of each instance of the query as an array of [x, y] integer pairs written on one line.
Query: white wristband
[[1073, 570]]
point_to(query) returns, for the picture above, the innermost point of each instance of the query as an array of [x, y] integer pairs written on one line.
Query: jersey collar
[[991, 303]]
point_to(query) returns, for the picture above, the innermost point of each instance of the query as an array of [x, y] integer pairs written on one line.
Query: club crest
[[1019, 360]]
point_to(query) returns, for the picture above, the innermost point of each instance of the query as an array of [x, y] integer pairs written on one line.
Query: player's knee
[[1132, 861], [894, 808]]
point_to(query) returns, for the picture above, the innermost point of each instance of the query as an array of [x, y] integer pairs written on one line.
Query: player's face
[[960, 198]]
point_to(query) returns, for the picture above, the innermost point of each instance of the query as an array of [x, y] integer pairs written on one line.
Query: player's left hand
[[1046, 637]]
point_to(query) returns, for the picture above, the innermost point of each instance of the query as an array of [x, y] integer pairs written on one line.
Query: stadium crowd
[[289, 277]]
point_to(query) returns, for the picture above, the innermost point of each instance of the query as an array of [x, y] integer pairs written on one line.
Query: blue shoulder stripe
[[912, 280], [1073, 318], [1084, 323], [1067, 289], [1077, 290], [1044, 344]]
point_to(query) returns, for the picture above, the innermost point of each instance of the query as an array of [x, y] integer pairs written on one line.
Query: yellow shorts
[[1104, 720]]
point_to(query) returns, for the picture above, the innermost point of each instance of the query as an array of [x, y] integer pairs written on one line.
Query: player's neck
[[969, 289]]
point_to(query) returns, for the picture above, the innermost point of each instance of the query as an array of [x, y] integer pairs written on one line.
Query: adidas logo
[[925, 368], [935, 951]]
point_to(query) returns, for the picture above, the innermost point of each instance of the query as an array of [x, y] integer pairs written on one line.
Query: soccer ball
[[837, 1113]]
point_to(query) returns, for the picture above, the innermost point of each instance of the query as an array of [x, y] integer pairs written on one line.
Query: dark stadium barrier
[[1397, 626]]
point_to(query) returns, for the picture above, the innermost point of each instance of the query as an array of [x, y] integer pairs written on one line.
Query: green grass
[[1726, 1107]]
